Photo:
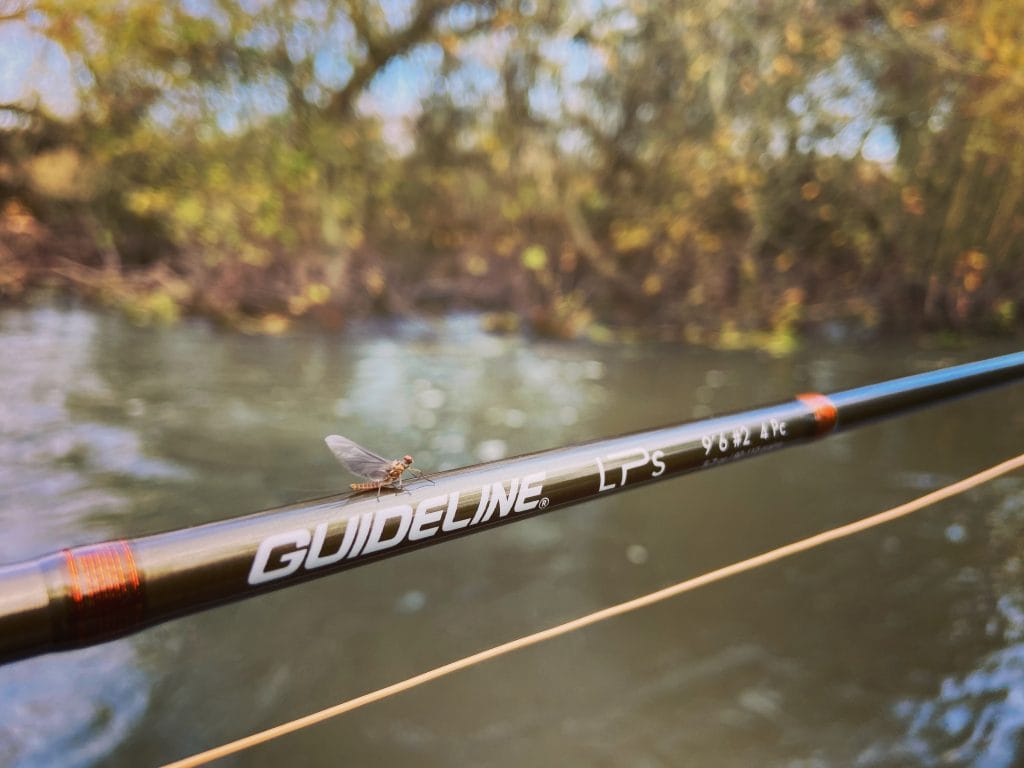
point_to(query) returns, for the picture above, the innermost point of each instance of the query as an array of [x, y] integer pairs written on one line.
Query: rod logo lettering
[[632, 459], [283, 554]]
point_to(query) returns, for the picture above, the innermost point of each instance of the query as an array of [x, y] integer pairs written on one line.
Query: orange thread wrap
[[825, 413], [105, 590]]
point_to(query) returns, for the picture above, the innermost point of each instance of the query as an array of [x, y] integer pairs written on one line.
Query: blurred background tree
[[717, 172]]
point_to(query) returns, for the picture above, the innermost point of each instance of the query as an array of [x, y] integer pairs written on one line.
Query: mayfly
[[359, 461]]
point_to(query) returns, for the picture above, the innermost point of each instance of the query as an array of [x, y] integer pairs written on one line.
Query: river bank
[[39, 264]]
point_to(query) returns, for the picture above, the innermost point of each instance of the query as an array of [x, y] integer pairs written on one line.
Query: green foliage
[[716, 172]]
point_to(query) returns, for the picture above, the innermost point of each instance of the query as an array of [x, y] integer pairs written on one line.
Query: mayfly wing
[[356, 459]]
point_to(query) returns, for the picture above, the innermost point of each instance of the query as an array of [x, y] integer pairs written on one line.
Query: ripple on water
[[72, 709]]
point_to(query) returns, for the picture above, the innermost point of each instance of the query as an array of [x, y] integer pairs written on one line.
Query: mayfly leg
[[421, 475]]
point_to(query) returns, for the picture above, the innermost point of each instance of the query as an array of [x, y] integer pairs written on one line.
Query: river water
[[903, 646]]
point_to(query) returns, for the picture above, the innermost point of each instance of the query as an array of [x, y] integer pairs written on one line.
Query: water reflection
[[71, 711], [976, 718], [896, 647], [68, 709]]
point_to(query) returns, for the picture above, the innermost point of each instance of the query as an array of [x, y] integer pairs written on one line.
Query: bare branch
[[381, 51]]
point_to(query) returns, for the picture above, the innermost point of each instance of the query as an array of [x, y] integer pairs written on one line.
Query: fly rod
[[91, 593]]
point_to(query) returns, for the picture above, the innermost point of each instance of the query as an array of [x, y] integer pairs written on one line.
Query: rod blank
[[92, 593]]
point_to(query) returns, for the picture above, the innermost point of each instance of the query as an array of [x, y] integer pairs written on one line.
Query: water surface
[[902, 646]]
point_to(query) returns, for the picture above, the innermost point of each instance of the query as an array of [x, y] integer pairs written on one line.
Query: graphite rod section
[[96, 592]]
